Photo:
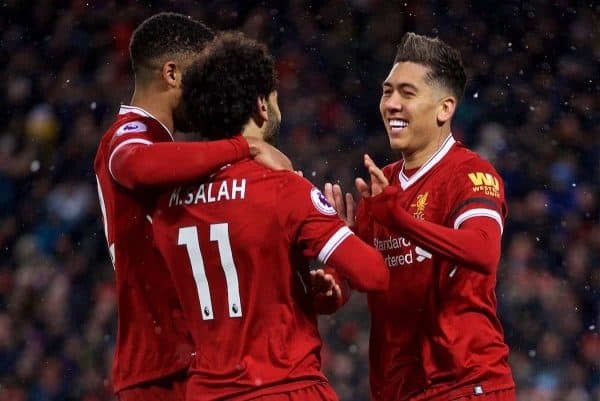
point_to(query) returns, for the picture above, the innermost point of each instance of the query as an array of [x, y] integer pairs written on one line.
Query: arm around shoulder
[[167, 163]]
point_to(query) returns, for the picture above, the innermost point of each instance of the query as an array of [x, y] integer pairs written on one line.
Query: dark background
[[531, 108]]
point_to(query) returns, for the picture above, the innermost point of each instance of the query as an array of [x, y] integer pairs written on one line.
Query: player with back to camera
[[437, 217], [237, 244], [135, 155]]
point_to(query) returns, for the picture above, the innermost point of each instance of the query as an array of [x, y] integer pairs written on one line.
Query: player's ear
[[171, 74], [446, 109], [262, 108]]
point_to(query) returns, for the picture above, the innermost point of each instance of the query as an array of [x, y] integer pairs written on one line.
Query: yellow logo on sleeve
[[486, 183]]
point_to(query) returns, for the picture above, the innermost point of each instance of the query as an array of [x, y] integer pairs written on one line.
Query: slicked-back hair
[[444, 62], [220, 89], [166, 35]]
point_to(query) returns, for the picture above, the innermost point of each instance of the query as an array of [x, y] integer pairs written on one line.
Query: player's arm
[[142, 162], [360, 264], [312, 224], [474, 244], [332, 294], [474, 239]]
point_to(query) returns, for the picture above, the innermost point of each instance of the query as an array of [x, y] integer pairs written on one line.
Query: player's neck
[[154, 104], [417, 158], [252, 130]]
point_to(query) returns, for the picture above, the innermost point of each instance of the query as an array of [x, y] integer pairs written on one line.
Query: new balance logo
[[422, 254]]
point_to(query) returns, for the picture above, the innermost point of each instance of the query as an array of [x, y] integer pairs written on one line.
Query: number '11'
[[188, 236]]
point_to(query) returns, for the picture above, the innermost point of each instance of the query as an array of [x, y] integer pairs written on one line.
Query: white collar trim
[[138, 110], [439, 154]]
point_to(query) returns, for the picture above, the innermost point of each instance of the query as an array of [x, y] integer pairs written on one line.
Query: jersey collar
[[439, 154], [138, 110]]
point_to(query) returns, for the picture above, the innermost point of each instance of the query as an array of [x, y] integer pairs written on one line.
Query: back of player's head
[[220, 90], [164, 36], [444, 62]]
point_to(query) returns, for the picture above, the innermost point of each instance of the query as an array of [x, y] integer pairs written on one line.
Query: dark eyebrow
[[404, 85]]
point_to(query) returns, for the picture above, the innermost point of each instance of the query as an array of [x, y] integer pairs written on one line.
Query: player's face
[[274, 121], [409, 107]]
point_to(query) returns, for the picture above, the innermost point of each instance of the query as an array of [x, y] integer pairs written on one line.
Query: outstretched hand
[[345, 210], [268, 155], [377, 178]]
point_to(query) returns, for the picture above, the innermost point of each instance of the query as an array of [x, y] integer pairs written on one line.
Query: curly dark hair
[[166, 35], [220, 89], [443, 60]]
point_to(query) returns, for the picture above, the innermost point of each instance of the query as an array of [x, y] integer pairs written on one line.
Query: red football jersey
[[436, 327], [152, 339], [237, 246], [397, 315]]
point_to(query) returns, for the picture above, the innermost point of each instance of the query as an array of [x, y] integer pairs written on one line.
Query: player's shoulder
[[252, 169], [287, 189], [131, 121], [468, 169], [463, 159], [392, 169]]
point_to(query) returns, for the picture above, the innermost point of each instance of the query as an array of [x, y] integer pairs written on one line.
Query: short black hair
[[166, 35], [445, 63], [221, 87]]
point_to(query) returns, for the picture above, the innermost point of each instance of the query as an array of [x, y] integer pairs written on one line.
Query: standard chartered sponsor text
[[393, 244]]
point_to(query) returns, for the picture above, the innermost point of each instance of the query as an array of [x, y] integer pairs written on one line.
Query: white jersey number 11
[[188, 236]]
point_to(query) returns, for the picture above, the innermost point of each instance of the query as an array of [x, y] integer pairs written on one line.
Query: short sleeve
[[477, 190], [309, 220]]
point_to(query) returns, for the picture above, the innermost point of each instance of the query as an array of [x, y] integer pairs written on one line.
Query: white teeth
[[398, 123]]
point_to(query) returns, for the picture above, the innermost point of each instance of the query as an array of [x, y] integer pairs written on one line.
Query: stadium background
[[531, 108]]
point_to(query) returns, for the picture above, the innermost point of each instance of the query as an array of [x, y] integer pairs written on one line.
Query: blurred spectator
[[531, 108]]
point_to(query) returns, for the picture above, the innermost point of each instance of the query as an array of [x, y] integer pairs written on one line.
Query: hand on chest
[[423, 202]]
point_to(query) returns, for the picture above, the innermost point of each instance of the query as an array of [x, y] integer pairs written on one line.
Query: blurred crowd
[[531, 108]]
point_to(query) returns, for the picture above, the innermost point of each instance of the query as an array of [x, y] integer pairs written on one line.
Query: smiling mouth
[[397, 125]]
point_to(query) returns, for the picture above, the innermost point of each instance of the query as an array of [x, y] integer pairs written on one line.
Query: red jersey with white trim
[[397, 315], [238, 247], [152, 339], [446, 311]]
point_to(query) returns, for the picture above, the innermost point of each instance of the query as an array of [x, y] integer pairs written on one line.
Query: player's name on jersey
[[209, 192]]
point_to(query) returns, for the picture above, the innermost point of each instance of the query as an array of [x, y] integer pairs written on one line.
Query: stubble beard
[[273, 125]]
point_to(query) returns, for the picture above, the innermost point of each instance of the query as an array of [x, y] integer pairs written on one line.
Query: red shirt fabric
[[238, 246], [152, 337], [435, 333]]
